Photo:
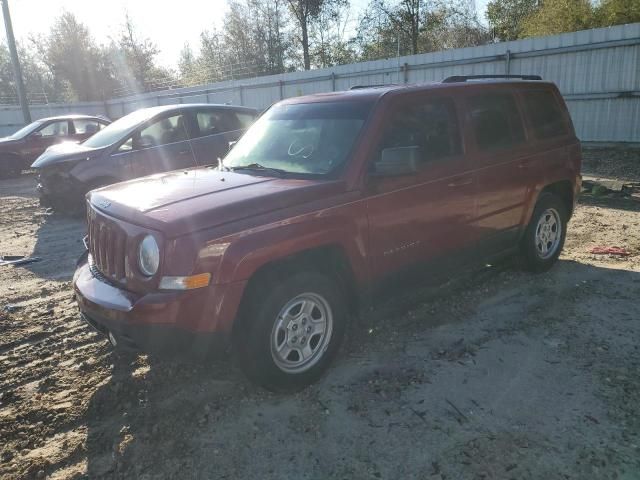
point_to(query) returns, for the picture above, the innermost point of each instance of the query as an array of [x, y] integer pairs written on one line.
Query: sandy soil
[[499, 375]]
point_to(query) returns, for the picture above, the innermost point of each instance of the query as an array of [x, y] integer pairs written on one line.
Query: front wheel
[[545, 235], [291, 330], [10, 167]]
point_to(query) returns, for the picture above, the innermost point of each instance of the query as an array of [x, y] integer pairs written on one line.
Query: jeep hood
[[65, 152], [180, 202]]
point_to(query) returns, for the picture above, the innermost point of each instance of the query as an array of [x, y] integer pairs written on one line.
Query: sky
[[169, 24]]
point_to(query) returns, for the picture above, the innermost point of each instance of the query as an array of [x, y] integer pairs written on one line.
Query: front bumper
[[55, 189], [183, 323]]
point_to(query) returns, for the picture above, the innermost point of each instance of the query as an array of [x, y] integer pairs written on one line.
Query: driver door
[[49, 134], [161, 145], [422, 217]]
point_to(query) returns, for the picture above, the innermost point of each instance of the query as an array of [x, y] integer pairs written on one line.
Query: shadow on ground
[[500, 376]]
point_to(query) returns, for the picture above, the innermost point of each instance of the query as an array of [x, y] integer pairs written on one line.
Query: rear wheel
[[545, 235], [291, 330]]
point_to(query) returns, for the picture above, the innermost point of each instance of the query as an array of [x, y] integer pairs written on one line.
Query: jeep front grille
[[107, 246]]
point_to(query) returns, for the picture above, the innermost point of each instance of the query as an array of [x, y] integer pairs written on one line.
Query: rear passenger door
[[425, 216], [161, 145], [550, 136], [499, 150], [213, 129]]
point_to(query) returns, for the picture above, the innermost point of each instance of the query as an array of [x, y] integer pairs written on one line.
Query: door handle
[[184, 152], [523, 166]]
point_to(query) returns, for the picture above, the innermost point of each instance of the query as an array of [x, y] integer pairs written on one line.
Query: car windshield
[[26, 130], [309, 138], [118, 129]]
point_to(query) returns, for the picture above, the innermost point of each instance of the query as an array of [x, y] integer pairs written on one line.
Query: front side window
[[114, 132], [431, 125], [26, 130], [55, 129], [544, 113], [161, 132], [308, 138], [496, 121]]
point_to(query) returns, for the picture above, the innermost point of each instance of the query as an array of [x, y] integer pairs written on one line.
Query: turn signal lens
[[185, 283]]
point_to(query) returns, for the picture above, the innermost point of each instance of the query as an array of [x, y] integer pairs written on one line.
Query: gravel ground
[[499, 375]]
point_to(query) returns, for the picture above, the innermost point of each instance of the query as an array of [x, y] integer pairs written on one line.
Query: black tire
[[534, 259], [256, 329], [10, 166]]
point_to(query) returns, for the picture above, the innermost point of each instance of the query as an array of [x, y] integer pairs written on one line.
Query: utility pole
[[17, 71]]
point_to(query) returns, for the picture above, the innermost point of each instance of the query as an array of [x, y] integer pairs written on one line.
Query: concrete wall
[[597, 71]]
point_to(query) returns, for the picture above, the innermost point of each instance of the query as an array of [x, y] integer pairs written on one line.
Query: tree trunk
[[305, 44]]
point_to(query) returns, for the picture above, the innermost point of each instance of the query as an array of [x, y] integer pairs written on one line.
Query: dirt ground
[[500, 375]]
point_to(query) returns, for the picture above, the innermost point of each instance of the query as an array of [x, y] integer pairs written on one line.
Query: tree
[[617, 12], [135, 58], [411, 27], [559, 16], [80, 67], [506, 17], [327, 35], [304, 12], [253, 41]]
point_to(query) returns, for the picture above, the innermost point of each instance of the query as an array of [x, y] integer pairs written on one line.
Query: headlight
[[148, 256]]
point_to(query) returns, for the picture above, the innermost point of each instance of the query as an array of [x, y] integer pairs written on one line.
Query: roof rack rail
[[464, 78], [379, 85]]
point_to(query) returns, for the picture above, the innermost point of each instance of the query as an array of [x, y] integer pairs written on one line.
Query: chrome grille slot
[[107, 246]]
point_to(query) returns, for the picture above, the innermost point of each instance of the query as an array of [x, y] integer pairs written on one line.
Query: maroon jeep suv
[[322, 201]]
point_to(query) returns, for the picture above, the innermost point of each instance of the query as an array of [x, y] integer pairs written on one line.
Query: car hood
[[6, 141], [181, 202], [65, 152]]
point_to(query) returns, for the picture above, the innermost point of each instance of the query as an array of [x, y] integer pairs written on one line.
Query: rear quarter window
[[545, 114], [496, 121]]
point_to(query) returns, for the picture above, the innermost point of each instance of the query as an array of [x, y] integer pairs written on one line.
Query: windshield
[[26, 130], [118, 129], [309, 138]]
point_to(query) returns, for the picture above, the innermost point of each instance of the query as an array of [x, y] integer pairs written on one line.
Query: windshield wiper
[[259, 168]]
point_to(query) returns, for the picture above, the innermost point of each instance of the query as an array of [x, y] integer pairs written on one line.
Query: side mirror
[[36, 135], [232, 144], [397, 161]]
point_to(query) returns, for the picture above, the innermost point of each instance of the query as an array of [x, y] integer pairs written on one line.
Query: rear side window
[[211, 122], [544, 113], [84, 126], [431, 125], [496, 121], [245, 119]]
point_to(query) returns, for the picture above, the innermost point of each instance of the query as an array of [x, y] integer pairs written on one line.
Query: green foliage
[[559, 16], [617, 12], [506, 17], [511, 19]]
